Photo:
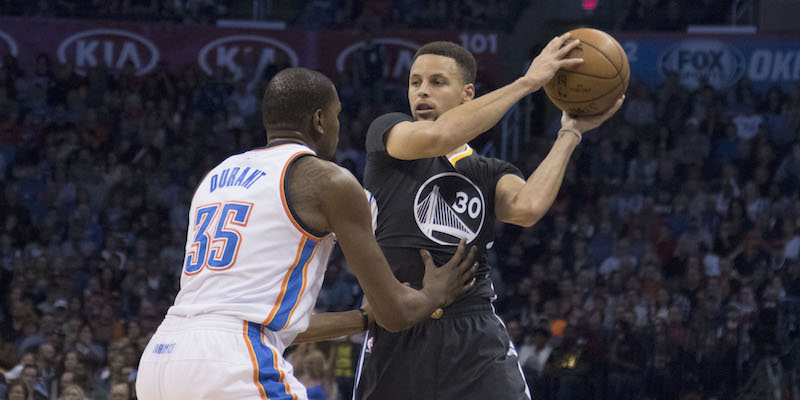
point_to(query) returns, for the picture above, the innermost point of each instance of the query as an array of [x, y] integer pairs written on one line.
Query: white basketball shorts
[[214, 357]]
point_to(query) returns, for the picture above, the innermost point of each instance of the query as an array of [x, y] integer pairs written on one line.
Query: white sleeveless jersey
[[246, 256]]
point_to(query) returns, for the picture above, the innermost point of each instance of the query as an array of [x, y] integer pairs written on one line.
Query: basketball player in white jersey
[[261, 229]]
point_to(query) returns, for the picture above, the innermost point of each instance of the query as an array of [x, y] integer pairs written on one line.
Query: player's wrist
[[436, 300], [573, 133], [531, 84], [365, 318]]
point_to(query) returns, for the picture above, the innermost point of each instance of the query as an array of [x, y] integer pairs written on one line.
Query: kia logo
[[113, 47], [722, 64], [229, 52], [401, 53], [10, 44]]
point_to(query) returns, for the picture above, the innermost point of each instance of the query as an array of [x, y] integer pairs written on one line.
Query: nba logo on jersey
[[448, 207], [370, 342]]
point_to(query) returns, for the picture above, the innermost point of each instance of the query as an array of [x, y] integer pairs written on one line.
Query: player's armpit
[[327, 326]]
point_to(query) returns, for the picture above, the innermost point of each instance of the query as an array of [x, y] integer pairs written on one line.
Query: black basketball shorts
[[466, 354]]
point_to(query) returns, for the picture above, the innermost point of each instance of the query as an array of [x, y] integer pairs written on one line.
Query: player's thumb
[[427, 259]]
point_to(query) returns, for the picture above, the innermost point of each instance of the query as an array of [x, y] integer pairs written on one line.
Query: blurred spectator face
[[46, 352], [30, 328], [120, 391], [133, 330], [67, 379], [85, 335], [17, 391], [28, 359], [73, 392], [117, 362], [30, 374]]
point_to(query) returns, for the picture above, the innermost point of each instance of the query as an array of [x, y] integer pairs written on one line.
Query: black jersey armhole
[[296, 217]]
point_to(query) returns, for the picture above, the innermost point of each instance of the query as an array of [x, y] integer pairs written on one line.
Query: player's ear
[[316, 122], [468, 93]]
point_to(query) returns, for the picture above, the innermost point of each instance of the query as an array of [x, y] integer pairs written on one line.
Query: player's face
[[330, 123], [435, 85]]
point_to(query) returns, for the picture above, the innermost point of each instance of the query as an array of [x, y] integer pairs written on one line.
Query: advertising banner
[[236, 50], [765, 60]]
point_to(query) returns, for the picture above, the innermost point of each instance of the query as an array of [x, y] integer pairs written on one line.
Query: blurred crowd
[[656, 274], [373, 15], [182, 11]]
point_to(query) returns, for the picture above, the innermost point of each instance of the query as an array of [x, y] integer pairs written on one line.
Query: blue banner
[[723, 60]]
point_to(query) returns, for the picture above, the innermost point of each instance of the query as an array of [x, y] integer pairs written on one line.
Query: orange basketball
[[593, 86]]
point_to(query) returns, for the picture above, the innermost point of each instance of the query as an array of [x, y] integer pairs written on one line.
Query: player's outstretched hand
[[550, 60], [589, 122], [450, 281]]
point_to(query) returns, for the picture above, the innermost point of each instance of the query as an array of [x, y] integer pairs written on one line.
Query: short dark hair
[[292, 96], [463, 58]]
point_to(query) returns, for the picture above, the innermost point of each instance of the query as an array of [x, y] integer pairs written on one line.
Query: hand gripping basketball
[[551, 59]]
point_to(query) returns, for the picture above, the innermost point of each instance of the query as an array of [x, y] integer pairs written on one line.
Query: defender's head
[[442, 77], [303, 101]]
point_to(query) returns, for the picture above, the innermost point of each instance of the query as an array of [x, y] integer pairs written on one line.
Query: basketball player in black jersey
[[432, 189]]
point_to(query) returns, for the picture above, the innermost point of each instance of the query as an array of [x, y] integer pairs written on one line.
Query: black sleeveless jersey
[[430, 204]]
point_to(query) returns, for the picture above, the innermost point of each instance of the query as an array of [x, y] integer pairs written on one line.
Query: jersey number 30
[[217, 249]]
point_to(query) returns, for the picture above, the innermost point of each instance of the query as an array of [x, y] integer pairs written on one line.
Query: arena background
[[668, 268]]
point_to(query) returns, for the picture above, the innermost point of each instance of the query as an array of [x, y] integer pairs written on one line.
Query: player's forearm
[[327, 326], [463, 123], [405, 310], [541, 188]]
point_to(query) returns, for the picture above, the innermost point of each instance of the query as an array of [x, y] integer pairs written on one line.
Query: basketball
[[593, 86]]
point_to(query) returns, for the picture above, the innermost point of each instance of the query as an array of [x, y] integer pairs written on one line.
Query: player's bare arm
[[524, 203], [331, 325], [434, 81], [328, 198]]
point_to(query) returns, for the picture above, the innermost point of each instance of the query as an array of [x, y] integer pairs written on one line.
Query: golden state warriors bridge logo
[[449, 207]]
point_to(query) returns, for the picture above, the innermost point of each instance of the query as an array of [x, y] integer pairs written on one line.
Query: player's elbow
[[528, 216], [437, 142]]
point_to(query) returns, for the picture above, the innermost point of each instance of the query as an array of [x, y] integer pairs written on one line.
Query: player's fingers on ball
[[570, 62], [564, 37], [554, 44], [618, 104], [569, 47]]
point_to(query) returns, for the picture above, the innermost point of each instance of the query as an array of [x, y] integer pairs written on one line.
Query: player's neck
[[284, 137]]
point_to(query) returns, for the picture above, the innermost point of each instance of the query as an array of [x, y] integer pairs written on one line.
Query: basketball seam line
[[622, 60], [606, 57], [593, 99], [619, 75], [594, 76]]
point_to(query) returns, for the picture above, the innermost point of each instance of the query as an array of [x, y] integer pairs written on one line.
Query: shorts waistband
[[468, 307], [229, 323]]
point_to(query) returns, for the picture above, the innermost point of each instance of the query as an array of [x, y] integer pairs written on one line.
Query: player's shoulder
[[386, 121], [380, 126], [322, 173]]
